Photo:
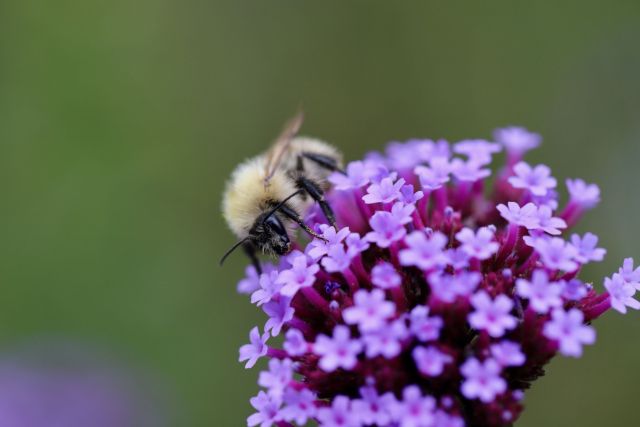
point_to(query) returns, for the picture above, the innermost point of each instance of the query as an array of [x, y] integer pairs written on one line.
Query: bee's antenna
[[292, 215], [281, 204], [233, 248]]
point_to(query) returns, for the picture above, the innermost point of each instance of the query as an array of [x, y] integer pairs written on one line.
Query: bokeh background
[[120, 122]]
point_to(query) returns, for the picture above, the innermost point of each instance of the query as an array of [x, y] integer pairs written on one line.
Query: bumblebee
[[267, 195]]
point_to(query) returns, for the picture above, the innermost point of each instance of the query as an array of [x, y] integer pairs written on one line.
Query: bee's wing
[[281, 145]]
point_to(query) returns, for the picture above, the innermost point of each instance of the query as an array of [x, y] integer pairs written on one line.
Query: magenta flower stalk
[[438, 300]]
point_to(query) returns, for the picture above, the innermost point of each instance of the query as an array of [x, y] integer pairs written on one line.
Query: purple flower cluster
[[438, 300]]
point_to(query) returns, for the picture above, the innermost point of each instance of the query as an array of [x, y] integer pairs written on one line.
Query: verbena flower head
[[438, 300]]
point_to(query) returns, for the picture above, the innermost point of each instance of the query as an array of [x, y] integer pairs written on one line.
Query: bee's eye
[[274, 224]]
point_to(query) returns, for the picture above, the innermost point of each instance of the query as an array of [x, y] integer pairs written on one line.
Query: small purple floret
[[482, 380]]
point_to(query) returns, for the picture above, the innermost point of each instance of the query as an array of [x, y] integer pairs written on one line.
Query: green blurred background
[[121, 120]]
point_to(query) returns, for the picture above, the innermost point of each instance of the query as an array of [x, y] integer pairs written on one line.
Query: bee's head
[[270, 235]]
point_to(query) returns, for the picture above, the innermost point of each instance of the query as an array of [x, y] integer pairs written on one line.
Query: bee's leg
[[318, 195], [323, 161], [250, 250], [292, 215], [312, 188]]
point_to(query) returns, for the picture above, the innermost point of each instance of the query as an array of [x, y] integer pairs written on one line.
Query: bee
[[266, 197]]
